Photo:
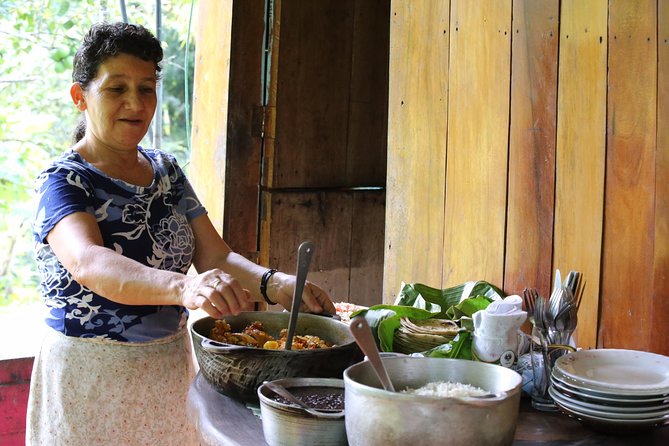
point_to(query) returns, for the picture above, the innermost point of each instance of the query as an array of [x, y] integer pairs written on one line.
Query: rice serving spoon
[[363, 336]]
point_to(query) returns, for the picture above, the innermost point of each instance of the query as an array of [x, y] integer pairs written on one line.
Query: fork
[[540, 315], [530, 300]]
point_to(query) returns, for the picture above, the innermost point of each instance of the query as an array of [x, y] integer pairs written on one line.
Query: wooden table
[[223, 421]]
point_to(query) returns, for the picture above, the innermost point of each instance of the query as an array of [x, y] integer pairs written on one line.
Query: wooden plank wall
[[312, 103], [347, 231], [329, 110], [367, 128], [315, 167], [549, 160], [509, 155]]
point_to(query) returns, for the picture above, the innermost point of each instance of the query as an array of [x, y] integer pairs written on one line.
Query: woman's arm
[[212, 252], [77, 242]]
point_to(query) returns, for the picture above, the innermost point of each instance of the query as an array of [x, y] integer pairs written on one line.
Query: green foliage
[[38, 39], [418, 301]]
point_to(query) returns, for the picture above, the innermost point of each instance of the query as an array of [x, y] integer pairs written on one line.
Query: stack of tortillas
[[419, 335]]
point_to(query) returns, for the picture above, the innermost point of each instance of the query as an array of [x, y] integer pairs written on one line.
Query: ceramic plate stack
[[419, 335], [615, 391]]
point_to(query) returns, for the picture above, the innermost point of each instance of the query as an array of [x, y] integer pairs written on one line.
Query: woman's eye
[[147, 90], [116, 89]]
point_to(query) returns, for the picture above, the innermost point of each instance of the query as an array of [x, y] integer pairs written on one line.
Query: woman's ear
[[77, 94]]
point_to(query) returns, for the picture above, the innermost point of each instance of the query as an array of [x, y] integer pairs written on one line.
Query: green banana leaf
[[467, 308], [419, 301], [385, 319], [441, 301], [460, 347]]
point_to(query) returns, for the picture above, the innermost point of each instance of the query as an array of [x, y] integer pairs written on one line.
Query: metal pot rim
[[382, 393], [335, 383], [210, 345]]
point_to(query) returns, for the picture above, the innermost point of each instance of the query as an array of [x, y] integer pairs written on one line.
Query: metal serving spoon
[[304, 253], [322, 413], [363, 336]]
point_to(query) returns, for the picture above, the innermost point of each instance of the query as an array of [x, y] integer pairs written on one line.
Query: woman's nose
[[134, 101]]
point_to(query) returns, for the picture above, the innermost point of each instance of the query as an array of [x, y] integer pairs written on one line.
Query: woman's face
[[120, 101]]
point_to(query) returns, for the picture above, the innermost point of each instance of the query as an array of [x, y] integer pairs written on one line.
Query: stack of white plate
[[613, 390]]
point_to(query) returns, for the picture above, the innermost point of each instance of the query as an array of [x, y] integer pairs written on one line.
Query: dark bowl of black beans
[[286, 423]]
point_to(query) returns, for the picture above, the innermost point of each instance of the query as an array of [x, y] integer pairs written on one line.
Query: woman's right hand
[[217, 293], [314, 298]]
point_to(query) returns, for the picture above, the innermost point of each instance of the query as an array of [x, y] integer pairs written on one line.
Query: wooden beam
[[629, 212], [244, 126], [478, 135], [210, 105], [659, 336], [417, 130], [581, 152], [529, 234]]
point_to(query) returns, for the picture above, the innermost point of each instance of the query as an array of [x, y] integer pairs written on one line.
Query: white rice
[[445, 389]]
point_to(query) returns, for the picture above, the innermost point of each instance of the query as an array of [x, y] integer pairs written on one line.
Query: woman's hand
[[314, 299], [212, 253], [217, 293]]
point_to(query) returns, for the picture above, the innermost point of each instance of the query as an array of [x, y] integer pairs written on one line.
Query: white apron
[[96, 392]]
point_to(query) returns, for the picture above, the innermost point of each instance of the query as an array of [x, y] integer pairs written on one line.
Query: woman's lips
[[133, 122]]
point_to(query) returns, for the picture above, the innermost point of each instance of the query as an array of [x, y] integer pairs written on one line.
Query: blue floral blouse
[[148, 224]]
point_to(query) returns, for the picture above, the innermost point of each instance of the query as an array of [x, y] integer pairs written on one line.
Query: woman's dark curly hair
[[105, 40]]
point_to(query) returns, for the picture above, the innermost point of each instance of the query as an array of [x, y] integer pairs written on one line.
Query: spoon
[[304, 253], [363, 336], [282, 391]]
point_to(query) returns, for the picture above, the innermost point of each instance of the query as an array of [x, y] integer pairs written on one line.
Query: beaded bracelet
[[263, 285]]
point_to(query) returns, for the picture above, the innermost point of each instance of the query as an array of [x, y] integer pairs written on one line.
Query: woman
[[117, 228]]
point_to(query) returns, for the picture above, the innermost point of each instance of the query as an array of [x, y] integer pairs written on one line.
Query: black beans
[[323, 398]]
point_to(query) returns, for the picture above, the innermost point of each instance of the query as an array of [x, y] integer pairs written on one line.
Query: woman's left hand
[[314, 299]]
